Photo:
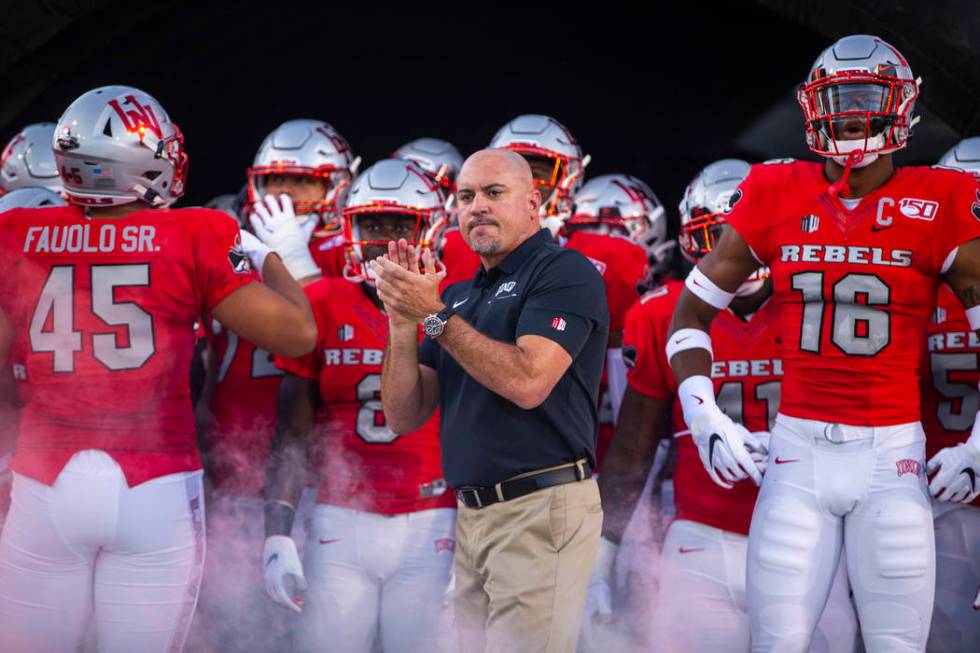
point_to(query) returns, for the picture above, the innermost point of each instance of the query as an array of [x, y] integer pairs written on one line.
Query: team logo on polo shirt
[[558, 324], [507, 287]]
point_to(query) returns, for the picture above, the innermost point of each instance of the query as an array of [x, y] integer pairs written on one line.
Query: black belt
[[474, 496]]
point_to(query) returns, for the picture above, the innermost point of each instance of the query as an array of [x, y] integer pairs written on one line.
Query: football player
[[556, 162], [380, 547], [27, 160], [616, 220], [309, 161], [949, 408], [97, 305], [702, 566], [857, 249], [441, 161]]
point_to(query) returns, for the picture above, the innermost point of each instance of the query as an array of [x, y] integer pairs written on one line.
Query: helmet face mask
[[392, 199], [554, 155], [315, 152], [859, 96]]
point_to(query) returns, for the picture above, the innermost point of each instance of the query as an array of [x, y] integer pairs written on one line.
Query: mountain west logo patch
[[236, 256], [809, 223]]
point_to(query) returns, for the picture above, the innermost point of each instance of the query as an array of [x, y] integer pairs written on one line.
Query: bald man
[[512, 358]]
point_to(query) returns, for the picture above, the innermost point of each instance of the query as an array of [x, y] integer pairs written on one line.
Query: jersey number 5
[[53, 323]]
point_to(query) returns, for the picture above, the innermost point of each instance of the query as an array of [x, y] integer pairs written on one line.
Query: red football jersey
[[328, 254], [461, 262], [103, 313], [243, 415], [362, 464], [951, 370], [855, 288], [746, 372], [622, 263]]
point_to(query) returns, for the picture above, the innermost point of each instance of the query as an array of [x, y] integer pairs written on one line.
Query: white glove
[[274, 222], [255, 250], [598, 599], [957, 472], [976, 601], [720, 441], [757, 444], [282, 569]]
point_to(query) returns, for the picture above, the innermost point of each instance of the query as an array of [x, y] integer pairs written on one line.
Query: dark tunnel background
[[657, 91]]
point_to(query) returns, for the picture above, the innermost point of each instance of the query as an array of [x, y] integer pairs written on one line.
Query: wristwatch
[[433, 325]]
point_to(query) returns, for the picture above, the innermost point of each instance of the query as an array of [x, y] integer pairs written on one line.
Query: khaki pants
[[523, 567]]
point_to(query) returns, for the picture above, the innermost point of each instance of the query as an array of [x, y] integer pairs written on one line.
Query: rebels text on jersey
[[746, 373], [951, 370], [361, 463], [103, 314], [243, 415], [855, 288]]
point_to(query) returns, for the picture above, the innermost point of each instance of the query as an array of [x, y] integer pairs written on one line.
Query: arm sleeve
[[310, 365], [648, 372], [222, 266], [566, 303], [747, 213], [962, 223]]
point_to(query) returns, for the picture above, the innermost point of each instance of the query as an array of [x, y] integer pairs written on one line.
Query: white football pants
[[955, 624], [703, 586], [134, 554], [830, 486], [375, 575]]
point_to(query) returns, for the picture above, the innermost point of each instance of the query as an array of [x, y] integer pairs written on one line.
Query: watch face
[[432, 326]]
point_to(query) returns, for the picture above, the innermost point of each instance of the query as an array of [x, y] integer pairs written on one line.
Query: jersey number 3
[[53, 323]]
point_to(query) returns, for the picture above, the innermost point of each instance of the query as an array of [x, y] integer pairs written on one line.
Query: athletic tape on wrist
[[973, 317], [688, 339], [705, 289], [697, 395]]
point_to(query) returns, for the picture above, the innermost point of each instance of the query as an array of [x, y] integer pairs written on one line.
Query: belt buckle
[[474, 493]]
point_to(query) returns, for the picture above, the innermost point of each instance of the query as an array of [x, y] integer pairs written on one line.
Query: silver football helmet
[[965, 155], [624, 204], [390, 186], [30, 198], [28, 161], [309, 148], [440, 159], [116, 145], [704, 205], [858, 97], [555, 157]]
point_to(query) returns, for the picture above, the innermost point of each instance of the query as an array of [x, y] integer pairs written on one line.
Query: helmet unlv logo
[[137, 119]]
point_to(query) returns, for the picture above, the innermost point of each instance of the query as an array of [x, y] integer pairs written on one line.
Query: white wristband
[[687, 339], [697, 395], [705, 289], [973, 317]]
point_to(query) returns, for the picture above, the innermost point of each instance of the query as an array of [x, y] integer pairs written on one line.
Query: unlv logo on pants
[[908, 466], [138, 118]]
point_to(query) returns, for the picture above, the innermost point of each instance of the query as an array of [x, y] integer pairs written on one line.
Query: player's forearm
[[402, 390], [628, 460], [278, 279], [285, 479], [501, 367], [690, 313]]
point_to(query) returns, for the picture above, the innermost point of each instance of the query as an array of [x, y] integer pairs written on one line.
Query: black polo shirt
[[540, 289]]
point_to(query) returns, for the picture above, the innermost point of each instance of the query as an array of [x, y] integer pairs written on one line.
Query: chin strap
[[840, 186]]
